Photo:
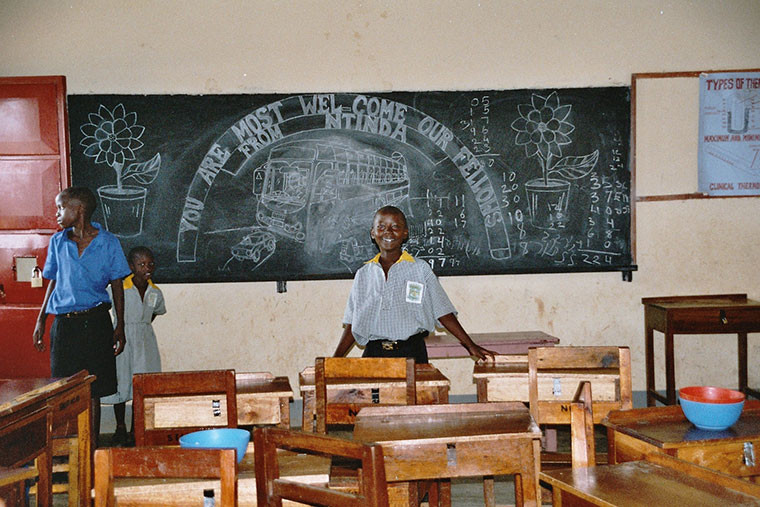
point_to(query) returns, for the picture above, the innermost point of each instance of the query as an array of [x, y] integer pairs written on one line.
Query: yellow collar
[[129, 283], [405, 256]]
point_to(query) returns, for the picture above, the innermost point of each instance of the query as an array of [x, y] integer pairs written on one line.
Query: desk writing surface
[[426, 375], [512, 342], [262, 383], [667, 427], [638, 483], [442, 422]]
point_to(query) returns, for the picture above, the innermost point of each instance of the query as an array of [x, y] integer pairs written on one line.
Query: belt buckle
[[388, 345]]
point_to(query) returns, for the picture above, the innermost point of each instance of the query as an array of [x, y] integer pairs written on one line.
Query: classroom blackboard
[[284, 187]]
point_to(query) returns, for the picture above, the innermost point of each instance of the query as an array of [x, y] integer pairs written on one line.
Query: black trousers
[[413, 347], [84, 343]]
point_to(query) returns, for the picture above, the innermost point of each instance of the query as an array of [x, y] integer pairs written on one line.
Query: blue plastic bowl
[[218, 438], [711, 416]]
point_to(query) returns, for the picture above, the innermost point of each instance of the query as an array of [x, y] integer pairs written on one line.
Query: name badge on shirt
[[152, 299], [414, 292]]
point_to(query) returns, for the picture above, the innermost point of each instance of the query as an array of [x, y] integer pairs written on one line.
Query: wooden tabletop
[[426, 374], [262, 383], [667, 427], [512, 342], [16, 394], [702, 301], [464, 421], [638, 483]]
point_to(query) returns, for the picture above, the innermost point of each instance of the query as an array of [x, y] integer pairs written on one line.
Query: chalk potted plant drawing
[[112, 137], [543, 129]]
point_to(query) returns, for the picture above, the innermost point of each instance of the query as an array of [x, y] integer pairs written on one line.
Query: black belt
[[394, 344], [102, 307]]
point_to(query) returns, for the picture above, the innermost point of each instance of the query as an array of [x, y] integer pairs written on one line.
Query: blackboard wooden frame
[[301, 175]]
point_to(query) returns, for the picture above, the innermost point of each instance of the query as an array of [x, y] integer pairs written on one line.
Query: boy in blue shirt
[[396, 300], [82, 260]]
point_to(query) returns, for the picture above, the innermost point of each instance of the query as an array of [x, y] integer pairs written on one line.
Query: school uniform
[[140, 354], [392, 317], [81, 336]]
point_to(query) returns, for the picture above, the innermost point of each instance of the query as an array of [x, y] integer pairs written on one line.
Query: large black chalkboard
[[283, 187]]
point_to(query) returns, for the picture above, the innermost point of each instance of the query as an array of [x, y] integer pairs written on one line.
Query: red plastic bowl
[[708, 394]]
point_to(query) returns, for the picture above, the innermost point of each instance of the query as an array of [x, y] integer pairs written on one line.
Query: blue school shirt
[[80, 282]]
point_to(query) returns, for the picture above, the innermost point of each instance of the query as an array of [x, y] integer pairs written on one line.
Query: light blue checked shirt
[[409, 301]]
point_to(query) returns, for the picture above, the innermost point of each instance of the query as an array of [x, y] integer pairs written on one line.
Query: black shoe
[[120, 436]]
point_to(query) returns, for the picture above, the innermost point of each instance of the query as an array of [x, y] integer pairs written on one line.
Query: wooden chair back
[[23, 439], [170, 404], [271, 489], [582, 428], [554, 374], [371, 374], [164, 462]]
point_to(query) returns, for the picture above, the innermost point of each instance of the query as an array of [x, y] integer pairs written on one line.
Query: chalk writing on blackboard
[[112, 137], [283, 187], [319, 189]]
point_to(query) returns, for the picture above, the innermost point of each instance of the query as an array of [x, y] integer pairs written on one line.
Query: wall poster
[[729, 133]]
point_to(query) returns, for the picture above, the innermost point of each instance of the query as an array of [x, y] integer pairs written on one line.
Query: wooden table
[[69, 401], [183, 492], [721, 314], [506, 379], [632, 434], [261, 399], [516, 342], [638, 483], [461, 440], [432, 388]]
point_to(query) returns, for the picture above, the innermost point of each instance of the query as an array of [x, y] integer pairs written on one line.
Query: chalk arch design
[[318, 126]]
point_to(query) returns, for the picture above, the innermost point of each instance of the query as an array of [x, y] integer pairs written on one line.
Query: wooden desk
[[25, 436], [69, 401], [506, 379], [461, 440], [723, 314], [432, 388], [633, 434], [516, 342], [261, 399], [638, 483], [183, 492]]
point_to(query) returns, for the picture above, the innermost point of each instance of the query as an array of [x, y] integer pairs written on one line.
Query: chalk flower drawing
[[112, 137], [543, 130]]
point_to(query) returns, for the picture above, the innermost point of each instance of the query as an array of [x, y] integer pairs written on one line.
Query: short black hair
[[85, 196], [138, 250], [391, 210]]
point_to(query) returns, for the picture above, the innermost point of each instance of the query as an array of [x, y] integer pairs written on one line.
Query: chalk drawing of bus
[[324, 195]]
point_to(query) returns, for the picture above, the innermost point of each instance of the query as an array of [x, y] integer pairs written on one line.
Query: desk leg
[[284, 413], [670, 369], [649, 358], [84, 465], [742, 347], [307, 420]]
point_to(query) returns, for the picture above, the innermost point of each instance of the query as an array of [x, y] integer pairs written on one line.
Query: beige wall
[[684, 247]]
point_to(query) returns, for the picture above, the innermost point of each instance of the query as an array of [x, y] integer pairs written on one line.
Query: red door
[[34, 167]]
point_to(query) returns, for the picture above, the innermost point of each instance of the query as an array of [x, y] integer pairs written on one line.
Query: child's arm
[[39, 328], [346, 341], [452, 325], [117, 296]]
